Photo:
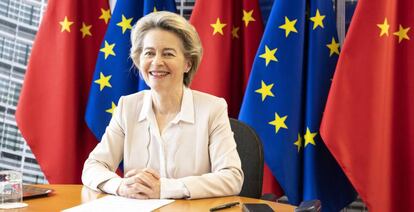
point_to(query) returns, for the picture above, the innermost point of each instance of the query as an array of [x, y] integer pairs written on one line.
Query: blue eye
[[148, 53], [169, 54]]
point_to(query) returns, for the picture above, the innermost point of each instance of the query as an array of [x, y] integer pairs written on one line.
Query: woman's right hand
[[140, 184]]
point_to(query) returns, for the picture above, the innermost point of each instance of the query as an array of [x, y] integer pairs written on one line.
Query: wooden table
[[67, 196]]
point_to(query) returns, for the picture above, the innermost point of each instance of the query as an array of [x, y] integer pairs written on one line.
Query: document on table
[[115, 203]]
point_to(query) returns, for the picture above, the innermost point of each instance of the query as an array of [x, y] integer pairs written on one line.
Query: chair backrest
[[250, 151]]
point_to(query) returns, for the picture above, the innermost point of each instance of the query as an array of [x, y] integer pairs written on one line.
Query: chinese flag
[[230, 33], [368, 122], [50, 112]]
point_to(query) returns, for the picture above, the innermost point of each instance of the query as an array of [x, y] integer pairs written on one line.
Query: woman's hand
[[140, 184]]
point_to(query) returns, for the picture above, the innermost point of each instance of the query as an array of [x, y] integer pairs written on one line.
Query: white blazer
[[196, 148]]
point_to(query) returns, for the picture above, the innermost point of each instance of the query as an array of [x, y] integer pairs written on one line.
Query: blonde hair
[[173, 23]]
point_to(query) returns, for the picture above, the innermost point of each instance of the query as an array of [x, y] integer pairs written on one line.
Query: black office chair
[[250, 151]]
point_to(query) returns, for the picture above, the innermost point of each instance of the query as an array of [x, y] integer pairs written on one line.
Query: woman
[[174, 142]]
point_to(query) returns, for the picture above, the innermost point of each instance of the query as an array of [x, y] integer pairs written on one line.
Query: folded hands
[[140, 184]]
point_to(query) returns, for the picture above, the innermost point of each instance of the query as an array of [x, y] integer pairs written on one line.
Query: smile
[[158, 73]]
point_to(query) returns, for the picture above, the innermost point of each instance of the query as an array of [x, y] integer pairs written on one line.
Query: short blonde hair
[[173, 23]]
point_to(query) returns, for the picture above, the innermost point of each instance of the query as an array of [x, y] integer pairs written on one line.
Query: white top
[[196, 149]]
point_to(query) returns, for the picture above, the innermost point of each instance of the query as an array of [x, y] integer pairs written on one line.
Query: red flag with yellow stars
[[230, 33], [50, 112], [368, 122]]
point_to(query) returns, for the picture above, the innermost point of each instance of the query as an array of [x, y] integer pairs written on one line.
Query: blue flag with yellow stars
[[115, 74], [286, 96]]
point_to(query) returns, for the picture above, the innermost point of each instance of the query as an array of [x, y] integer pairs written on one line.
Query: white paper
[[115, 203]]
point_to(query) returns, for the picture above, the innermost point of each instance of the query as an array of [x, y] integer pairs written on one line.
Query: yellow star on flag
[[105, 15], [108, 49], [86, 30], [279, 122], [384, 28], [309, 137], [269, 55], [235, 32], [333, 47], [402, 33], [289, 26], [298, 142], [248, 17], [65, 24], [111, 110], [218, 27], [125, 24], [317, 19], [265, 90], [103, 81]]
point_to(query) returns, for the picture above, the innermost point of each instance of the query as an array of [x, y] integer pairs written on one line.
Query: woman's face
[[162, 62]]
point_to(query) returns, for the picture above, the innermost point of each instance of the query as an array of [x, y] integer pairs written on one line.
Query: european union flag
[[114, 73], [286, 96]]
